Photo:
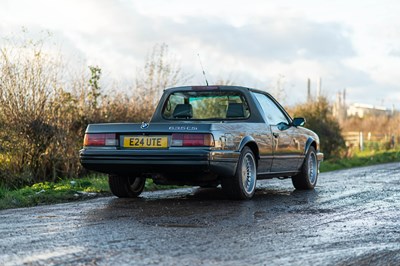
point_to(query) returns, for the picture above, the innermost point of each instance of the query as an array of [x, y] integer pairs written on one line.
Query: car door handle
[[276, 135]]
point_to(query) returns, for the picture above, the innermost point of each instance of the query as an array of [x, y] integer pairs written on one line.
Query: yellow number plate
[[157, 142]]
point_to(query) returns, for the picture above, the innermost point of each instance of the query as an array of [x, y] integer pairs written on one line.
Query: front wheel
[[307, 178], [126, 187], [243, 184]]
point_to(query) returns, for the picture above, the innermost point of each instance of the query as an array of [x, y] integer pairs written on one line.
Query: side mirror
[[298, 121]]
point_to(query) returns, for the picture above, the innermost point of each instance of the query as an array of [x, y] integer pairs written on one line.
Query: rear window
[[206, 105]]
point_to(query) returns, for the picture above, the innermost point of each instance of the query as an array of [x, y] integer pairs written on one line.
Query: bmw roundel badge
[[144, 125]]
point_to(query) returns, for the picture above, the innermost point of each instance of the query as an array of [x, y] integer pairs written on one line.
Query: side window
[[173, 101], [272, 112]]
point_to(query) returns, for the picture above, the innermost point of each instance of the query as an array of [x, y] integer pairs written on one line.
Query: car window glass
[[271, 111], [211, 105]]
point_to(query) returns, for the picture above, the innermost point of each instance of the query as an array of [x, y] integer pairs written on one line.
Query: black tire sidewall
[[120, 186], [134, 192], [302, 180]]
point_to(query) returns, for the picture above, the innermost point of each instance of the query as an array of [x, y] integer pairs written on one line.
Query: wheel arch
[[249, 141], [310, 143]]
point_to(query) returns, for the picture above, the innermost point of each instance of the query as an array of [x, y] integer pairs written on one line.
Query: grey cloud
[[285, 39], [395, 52], [270, 39], [280, 39]]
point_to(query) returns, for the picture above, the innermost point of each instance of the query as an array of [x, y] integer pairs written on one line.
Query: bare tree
[[160, 71], [229, 81], [278, 90]]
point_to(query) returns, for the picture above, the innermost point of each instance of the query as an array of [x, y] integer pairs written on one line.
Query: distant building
[[341, 110], [362, 110]]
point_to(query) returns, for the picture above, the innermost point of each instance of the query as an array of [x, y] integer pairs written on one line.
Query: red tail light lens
[[100, 140], [192, 140]]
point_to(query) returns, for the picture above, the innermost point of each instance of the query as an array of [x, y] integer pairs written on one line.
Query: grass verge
[[49, 192], [365, 158], [61, 191]]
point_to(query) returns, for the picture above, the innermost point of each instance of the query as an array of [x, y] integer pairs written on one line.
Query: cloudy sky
[[348, 44]]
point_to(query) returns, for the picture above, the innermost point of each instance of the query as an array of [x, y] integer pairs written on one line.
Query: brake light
[[198, 88], [100, 140], [192, 140]]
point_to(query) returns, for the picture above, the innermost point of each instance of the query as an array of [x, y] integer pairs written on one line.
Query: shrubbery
[[43, 113], [319, 119]]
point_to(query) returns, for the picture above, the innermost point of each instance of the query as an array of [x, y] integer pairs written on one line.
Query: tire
[[243, 184], [308, 176], [126, 187]]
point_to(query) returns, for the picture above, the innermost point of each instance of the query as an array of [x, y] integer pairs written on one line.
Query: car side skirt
[[269, 175]]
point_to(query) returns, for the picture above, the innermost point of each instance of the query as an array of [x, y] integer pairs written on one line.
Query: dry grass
[[43, 113]]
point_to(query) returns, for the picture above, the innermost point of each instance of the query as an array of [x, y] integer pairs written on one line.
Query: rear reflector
[[100, 140], [192, 140]]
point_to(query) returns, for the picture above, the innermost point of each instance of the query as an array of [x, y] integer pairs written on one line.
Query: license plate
[[155, 142]]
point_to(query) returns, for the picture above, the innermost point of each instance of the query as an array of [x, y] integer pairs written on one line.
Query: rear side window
[[271, 111], [206, 105]]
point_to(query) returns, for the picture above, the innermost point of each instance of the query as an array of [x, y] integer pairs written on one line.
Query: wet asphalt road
[[351, 218]]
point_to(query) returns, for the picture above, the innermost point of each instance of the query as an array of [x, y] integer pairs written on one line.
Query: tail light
[[192, 140], [205, 87], [100, 140]]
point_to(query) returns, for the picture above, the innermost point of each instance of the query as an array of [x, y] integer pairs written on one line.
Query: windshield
[[206, 105]]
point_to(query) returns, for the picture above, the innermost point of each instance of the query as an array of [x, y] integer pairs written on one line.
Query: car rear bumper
[[320, 156], [125, 162]]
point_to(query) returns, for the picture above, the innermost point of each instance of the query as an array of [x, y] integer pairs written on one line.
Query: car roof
[[213, 87]]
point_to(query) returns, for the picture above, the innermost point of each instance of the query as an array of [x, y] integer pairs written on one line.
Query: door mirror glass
[[299, 121], [283, 126]]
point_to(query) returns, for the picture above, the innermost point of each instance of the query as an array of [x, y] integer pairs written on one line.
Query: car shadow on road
[[202, 207]]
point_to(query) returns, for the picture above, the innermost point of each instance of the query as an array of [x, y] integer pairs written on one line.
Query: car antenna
[[202, 68]]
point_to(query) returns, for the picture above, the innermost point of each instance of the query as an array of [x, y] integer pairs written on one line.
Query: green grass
[[48, 192], [361, 159], [61, 191]]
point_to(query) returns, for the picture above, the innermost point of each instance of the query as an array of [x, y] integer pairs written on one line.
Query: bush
[[41, 121], [43, 115], [320, 120]]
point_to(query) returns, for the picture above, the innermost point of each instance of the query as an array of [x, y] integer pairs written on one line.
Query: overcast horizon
[[352, 45]]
